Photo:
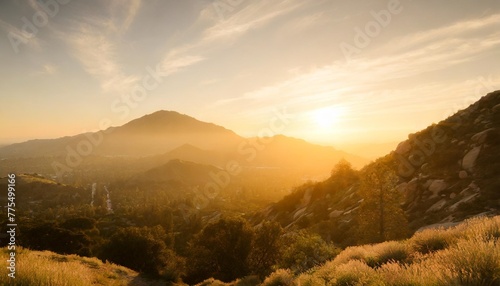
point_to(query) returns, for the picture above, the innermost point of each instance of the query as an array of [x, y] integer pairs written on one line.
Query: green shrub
[[306, 251], [144, 250]]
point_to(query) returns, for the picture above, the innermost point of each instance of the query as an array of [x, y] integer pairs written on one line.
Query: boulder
[[462, 201], [437, 206], [469, 160], [438, 226], [496, 108], [403, 147], [436, 187], [402, 187], [480, 137], [425, 167], [299, 213], [463, 174], [427, 184], [335, 214], [411, 191]]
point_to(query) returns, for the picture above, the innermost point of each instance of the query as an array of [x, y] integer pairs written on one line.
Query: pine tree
[[380, 216]]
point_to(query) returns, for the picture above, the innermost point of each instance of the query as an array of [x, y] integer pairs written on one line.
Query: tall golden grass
[[468, 254], [45, 268]]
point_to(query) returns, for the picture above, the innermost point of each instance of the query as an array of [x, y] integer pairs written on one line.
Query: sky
[[329, 71]]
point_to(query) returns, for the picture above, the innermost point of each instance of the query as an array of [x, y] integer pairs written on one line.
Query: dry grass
[[280, 277], [468, 254], [45, 268]]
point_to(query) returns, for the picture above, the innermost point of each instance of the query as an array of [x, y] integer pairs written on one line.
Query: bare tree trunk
[[381, 203]]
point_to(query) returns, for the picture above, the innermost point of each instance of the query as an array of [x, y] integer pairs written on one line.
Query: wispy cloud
[[97, 54], [433, 50], [172, 64], [124, 14], [94, 44], [300, 24], [253, 15], [463, 29]]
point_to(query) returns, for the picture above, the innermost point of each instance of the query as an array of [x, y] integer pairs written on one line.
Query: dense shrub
[[143, 249], [220, 251], [305, 251], [266, 248], [50, 236]]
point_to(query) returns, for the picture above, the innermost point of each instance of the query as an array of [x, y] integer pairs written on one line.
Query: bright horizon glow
[[235, 67], [327, 118]]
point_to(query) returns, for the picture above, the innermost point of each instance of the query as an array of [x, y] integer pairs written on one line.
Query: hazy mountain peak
[[164, 121]]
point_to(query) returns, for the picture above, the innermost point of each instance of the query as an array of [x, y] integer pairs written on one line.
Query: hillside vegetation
[[467, 254], [44, 268]]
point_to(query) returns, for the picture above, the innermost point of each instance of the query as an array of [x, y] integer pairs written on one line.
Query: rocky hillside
[[448, 172], [451, 170]]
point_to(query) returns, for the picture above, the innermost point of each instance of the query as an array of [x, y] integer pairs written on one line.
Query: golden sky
[[344, 71]]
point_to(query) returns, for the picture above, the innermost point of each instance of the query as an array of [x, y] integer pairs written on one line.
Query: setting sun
[[327, 118]]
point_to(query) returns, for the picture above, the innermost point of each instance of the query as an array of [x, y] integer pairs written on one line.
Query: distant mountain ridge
[[156, 138], [151, 134]]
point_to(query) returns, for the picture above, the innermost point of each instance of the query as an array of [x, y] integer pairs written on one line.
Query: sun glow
[[327, 118]]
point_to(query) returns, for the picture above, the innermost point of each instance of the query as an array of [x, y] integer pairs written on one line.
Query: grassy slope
[[46, 268], [468, 254]]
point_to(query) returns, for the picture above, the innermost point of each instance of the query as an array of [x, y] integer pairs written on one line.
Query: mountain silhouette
[[157, 138]]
